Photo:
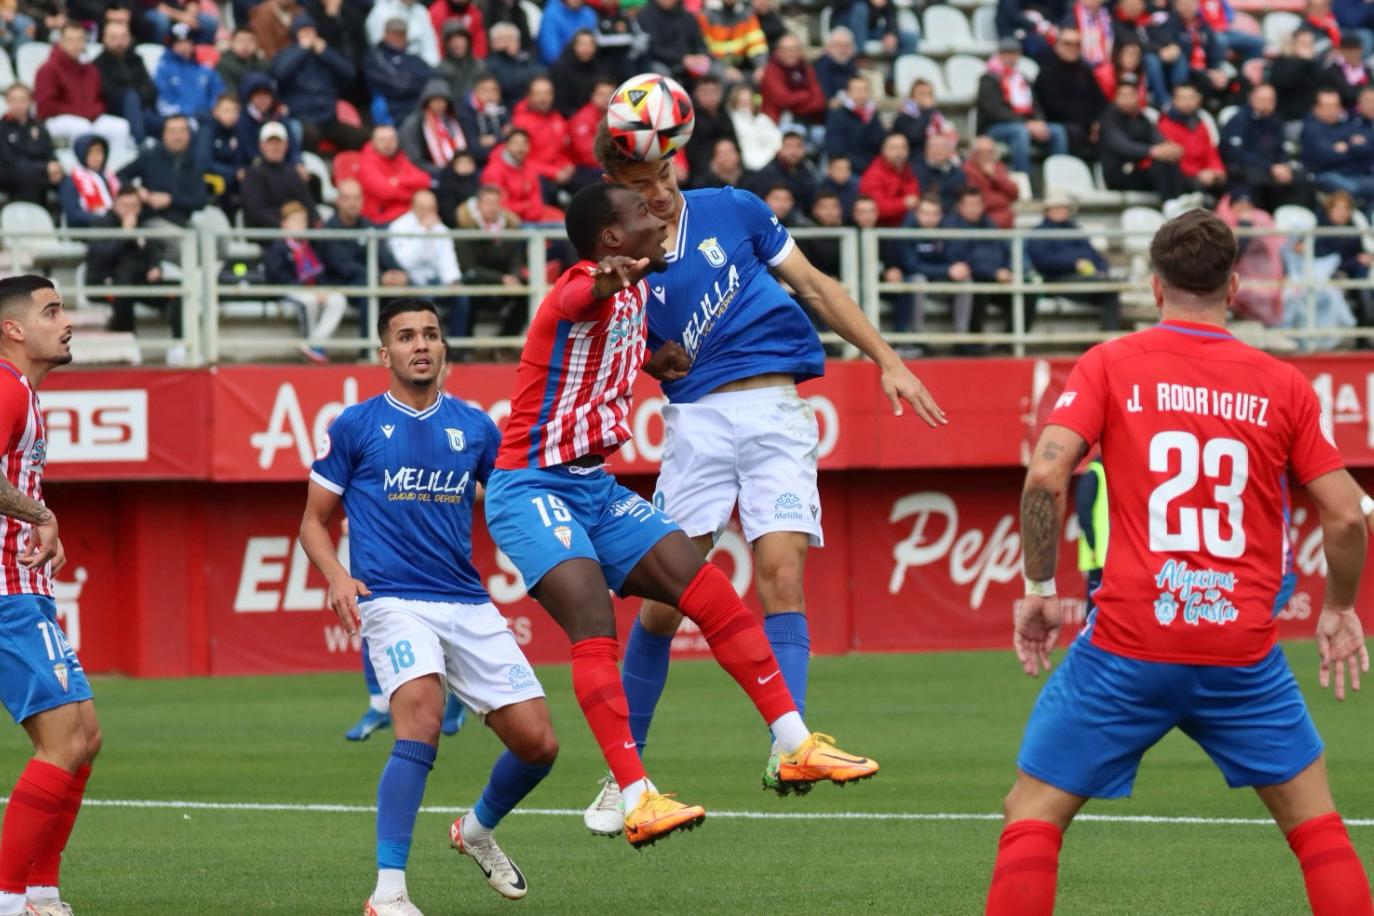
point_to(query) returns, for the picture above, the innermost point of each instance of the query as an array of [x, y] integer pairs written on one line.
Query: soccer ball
[[650, 117]]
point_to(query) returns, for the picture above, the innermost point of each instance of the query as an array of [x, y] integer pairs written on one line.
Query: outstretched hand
[[899, 384], [1036, 632], [617, 272], [1341, 645], [669, 362]]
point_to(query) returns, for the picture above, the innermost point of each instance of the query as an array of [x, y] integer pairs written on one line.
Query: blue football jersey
[[408, 479], [720, 303]]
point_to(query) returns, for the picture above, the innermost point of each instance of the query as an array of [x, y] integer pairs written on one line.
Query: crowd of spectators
[[478, 114]]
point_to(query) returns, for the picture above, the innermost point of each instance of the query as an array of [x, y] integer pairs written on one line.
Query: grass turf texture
[[944, 726]]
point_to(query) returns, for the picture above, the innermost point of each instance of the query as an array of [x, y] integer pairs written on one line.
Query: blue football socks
[[511, 780], [399, 793], [791, 641], [643, 673]]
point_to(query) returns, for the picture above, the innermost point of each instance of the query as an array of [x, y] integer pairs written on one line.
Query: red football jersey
[[1197, 433], [22, 461]]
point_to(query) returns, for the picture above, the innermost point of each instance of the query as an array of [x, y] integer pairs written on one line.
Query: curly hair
[[610, 157]]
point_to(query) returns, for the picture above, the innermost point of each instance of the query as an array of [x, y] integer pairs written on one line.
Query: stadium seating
[[28, 58], [231, 248], [40, 241], [534, 15], [1211, 124], [984, 21], [346, 167], [1071, 175], [316, 166], [962, 73], [947, 31], [151, 54], [6, 69], [1295, 219], [911, 67], [1278, 26]]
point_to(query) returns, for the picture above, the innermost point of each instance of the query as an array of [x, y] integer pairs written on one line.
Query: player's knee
[[781, 575], [540, 748], [95, 739], [659, 619]]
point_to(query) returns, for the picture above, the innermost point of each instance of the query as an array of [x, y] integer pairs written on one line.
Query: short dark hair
[[127, 190], [932, 197], [840, 157], [227, 97], [519, 131], [399, 307], [71, 26], [779, 186], [826, 195], [592, 209], [245, 30], [1194, 252], [16, 291], [965, 192], [610, 157]]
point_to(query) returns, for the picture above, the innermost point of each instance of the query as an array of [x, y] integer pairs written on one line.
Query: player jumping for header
[[572, 530], [1200, 431], [730, 345], [42, 683], [406, 465]]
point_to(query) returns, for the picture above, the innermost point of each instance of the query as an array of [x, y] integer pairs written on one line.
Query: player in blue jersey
[[406, 465], [730, 345]]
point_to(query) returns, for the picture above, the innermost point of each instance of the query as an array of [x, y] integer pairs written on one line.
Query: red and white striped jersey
[[579, 363], [22, 461]]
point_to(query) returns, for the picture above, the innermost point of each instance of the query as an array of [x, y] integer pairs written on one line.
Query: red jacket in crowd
[[792, 89], [520, 185], [999, 191], [1199, 152], [471, 17], [889, 188], [582, 135], [389, 185], [66, 86], [548, 138]]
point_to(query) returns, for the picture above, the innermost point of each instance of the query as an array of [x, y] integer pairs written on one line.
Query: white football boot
[[606, 816], [501, 873], [49, 908], [398, 905]]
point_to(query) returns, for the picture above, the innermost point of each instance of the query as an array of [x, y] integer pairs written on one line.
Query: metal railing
[[209, 297]]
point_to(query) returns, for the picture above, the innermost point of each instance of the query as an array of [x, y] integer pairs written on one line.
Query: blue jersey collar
[[1194, 329], [680, 249], [412, 412]]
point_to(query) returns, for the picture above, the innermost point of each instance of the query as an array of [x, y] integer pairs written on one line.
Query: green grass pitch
[[944, 726]]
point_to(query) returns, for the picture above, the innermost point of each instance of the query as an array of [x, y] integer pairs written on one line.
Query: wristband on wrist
[[1040, 589], [1366, 504]]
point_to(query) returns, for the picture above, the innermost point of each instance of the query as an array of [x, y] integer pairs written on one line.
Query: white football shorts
[[468, 645], [757, 448]]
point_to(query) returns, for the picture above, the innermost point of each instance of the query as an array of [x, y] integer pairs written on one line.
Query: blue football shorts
[[38, 669], [540, 517], [1100, 712]]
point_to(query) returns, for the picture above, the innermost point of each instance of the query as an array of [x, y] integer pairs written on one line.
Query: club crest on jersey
[[455, 439], [60, 672], [564, 535], [39, 453], [711, 250]]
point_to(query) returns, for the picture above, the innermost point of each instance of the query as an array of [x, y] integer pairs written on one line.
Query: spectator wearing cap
[[985, 171], [1252, 147], [271, 180], [853, 128], [836, 64], [1068, 260], [790, 167], [939, 171], [890, 182], [712, 125], [125, 83], [1009, 112], [676, 46], [432, 135], [169, 179], [575, 73], [463, 16], [1297, 74], [920, 117], [876, 20], [166, 15], [271, 23], [758, 135], [394, 76], [388, 177], [89, 191], [184, 86], [260, 106], [421, 39], [240, 58], [509, 169], [548, 133], [28, 165], [582, 127], [512, 66], [69, 97], [293, 261], [1334, 152], [791, 93], [1134, 155], [1347, 73], [484, 117], [1187, 48], [562, 20], [460, 68], [311, 76], [1180, 123], [1069, 93], [733, 38]]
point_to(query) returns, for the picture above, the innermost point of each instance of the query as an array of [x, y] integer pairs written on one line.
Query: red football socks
[[1331, 869], [737, 640], [1027, 869], [38, 800], [48, 862], [596, 681]]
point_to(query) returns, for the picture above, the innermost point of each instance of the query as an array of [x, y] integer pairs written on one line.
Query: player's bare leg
[[1331, 869], [575, 594], [527, 732], [1027, 869], [673, 572]]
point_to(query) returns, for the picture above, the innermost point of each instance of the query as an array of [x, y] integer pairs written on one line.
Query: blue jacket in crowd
[[846, 134], [184, 87], [309, 82], [559, 24], [1251, 143], [1056, 258], [1319, 152], [983, 256], [395, 80]]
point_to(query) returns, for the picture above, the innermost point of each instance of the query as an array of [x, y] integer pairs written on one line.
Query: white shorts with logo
[[468, 645], [757, 448]]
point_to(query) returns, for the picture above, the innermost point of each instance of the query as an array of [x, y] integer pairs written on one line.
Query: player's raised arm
[[1340, 637], [1043, 500], [344, 590], [842, 314]]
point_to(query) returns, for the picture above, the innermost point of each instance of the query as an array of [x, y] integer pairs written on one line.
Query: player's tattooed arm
[[15, 504], [1044, 498]]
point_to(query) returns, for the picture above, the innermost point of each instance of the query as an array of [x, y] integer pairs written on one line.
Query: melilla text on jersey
[[713, 304], [1202, 401], [409, 484]]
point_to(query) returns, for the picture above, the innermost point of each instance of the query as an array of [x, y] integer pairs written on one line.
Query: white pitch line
[[154, 804]]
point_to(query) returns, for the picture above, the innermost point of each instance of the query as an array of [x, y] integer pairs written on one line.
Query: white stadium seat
[[984, 21], [6, 71], [40, 240], [30, 56], [962, 73], [1141, 223], [911, 67], [316, 166], [231, 247], [151, 54], [1028, 67], [1278, 26], [1071, 175], [947, 31], [1294, 219]]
